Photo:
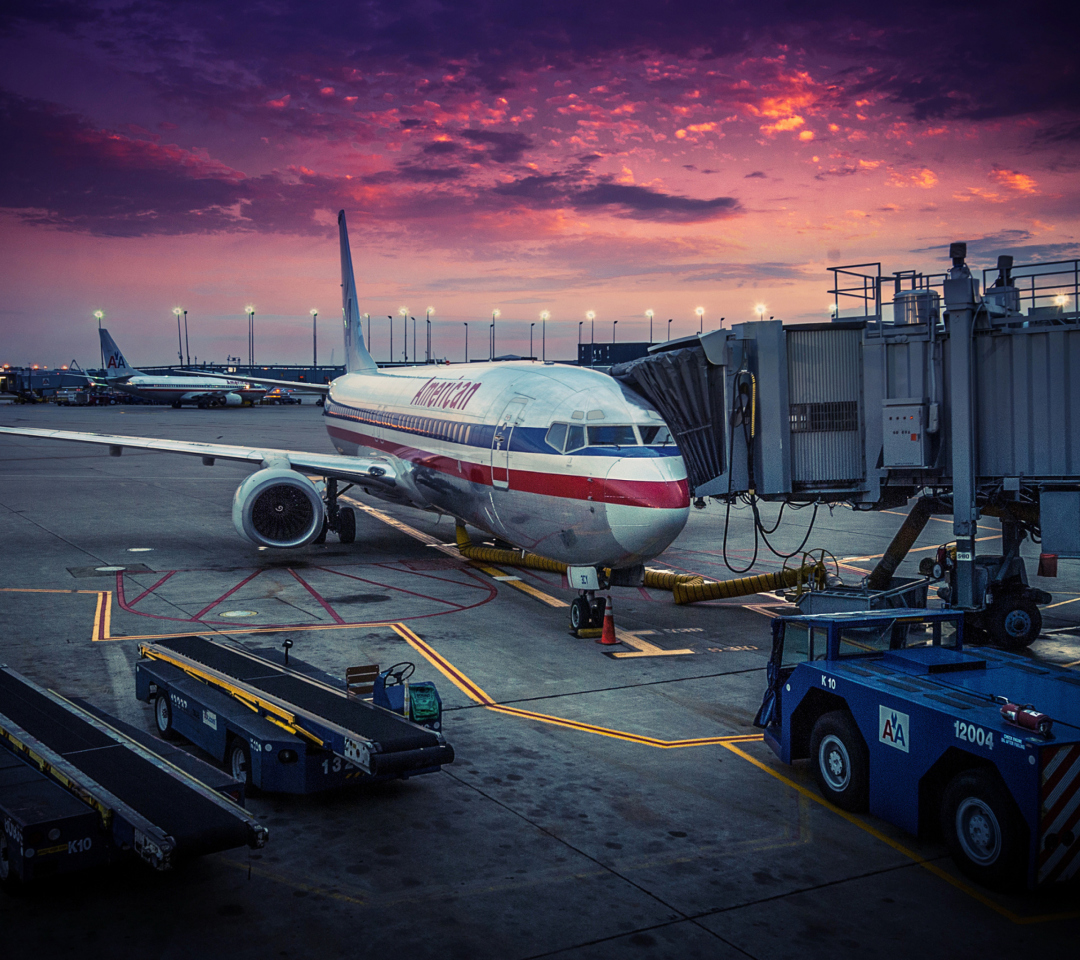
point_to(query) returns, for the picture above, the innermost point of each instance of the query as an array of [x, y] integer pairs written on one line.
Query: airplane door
[[500, 442]]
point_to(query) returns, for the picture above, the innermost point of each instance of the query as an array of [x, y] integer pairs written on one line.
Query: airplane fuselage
[[559, 460], [186, 389]]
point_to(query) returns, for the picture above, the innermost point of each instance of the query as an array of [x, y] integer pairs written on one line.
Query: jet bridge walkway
[[76, 792], [276, 727]]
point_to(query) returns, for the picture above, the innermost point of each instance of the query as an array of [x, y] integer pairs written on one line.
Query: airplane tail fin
[[116, 367], [357, 358]]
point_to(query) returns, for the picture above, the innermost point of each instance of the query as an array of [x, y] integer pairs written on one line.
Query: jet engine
[[277, 507], [234, 400]]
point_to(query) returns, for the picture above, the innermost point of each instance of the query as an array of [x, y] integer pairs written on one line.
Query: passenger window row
[[568, 437], [411, 423]]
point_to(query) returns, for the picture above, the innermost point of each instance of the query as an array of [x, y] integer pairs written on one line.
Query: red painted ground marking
[[149, 589], [322, 603], [224, 596]]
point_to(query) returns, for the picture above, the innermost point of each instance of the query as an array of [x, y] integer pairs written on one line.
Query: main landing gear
[[342, 520]]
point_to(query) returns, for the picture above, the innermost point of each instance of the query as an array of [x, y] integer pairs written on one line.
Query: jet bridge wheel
[[841, 761], [346, 524], [163, 716], [983, 829]]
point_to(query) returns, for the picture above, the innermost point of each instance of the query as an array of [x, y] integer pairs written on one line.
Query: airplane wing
[[262, 381], [370, 471]]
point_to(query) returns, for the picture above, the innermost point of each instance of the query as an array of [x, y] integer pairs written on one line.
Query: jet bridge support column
[[961, 291]]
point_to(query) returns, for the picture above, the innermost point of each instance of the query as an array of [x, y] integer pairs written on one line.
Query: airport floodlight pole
[[466, 343], [414, 353], [179, 339], [404, 312], [669, 327], [760, 311], [495, 314], [700, 311], [543, 334], [580, 322], [531, 325], [250, 311], [591, 317], [614, 324], [427, 351], [187, 344], [367, 316], [314, 338], [99, 314], [650, 314], [391, 319]]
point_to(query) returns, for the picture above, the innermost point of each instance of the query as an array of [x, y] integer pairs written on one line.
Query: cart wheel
[[841, 761], [240, 762], [346, 529], [579, 613], [1014, 623], [163, 716], [9, 880], [983, 829]]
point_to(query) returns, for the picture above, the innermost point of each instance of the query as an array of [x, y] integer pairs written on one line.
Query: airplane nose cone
[[648, 501]]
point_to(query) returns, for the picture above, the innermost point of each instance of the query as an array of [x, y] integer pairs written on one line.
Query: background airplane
[[177, 390]]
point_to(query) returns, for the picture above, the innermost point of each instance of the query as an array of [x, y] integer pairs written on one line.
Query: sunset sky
[[510, 155]]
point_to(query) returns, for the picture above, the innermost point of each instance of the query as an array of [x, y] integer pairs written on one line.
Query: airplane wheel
[[176, 405], [163, 716], [596, 612], [346, 529], [579, 613]]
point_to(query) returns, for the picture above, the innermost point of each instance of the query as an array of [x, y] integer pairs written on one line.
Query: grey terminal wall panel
[[1060, 522], [826, 398], [1028, 403]]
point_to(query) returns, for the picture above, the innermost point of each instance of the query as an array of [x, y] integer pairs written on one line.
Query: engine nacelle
[[234, 400], [277, 507]]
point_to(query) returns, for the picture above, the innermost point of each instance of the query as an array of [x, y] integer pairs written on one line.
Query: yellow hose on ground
[[742, 586], [658, 579]]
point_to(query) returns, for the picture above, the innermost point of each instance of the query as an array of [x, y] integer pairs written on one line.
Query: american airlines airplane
[[558, 460], [177, 390]]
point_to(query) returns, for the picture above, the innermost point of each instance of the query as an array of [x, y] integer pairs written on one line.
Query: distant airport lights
[[760, 309], [700, 311], [591, 317], [1060, 300]]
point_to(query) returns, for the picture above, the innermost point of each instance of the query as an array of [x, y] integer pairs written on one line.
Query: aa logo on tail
[[116, 361], [893, 728]]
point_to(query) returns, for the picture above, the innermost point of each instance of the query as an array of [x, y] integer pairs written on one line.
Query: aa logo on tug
[[893, 728]]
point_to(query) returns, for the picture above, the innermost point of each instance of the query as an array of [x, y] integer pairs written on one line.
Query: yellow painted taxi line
[[478, 695], [452, 551]]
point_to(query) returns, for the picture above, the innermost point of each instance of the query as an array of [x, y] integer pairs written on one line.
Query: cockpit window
[[612, 435], [575, 437], [655, 435], [556, 436]]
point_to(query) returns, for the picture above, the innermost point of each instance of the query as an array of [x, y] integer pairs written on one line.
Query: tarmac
[[605, 801]]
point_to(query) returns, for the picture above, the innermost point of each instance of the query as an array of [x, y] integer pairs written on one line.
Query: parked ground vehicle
[[897, 718]]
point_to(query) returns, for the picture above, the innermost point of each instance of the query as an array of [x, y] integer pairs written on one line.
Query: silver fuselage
[[471, 442]]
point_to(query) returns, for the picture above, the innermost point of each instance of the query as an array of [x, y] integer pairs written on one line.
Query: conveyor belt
[[196, 822], [392, 732]]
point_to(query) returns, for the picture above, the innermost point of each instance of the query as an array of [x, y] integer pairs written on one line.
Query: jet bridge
[[956, 388]]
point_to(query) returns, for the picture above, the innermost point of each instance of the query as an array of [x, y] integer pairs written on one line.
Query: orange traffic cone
[[608, 636]]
